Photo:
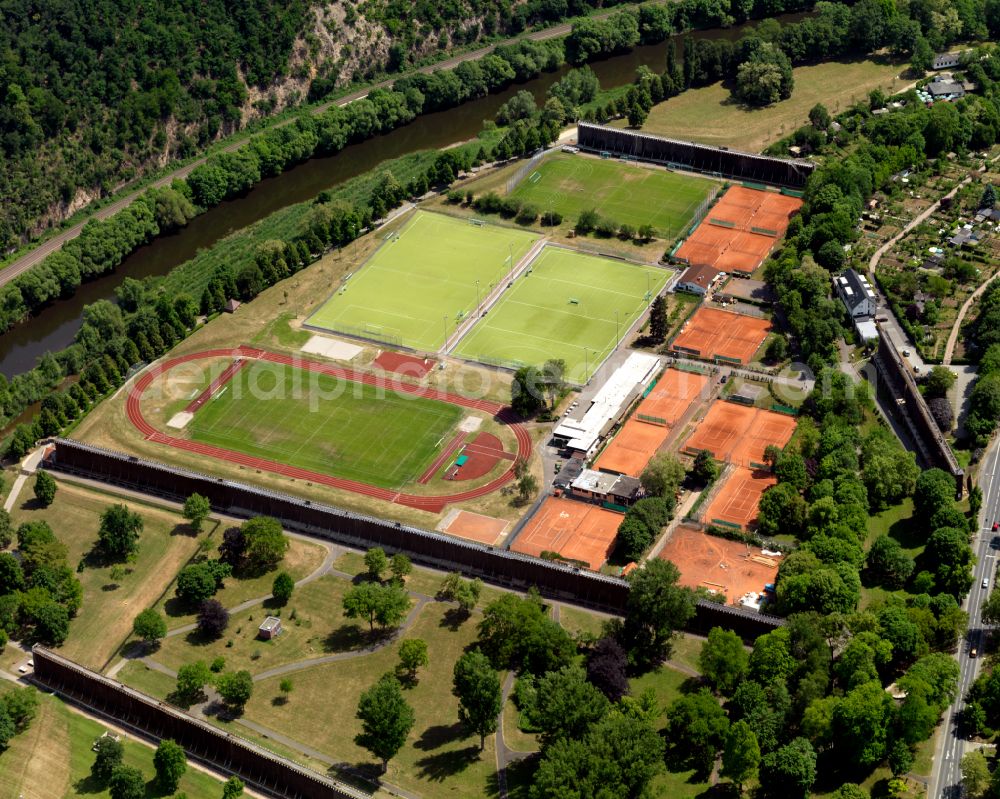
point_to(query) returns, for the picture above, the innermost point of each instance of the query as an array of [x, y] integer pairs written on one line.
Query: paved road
[[947, 777], [55, 243]]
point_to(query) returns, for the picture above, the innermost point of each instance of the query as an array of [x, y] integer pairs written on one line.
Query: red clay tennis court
[[739, 434], [407, 365], [727, 567], [639, 438], [740, 230], [576, 530], [738, 498], [712, 333], [474, 526]]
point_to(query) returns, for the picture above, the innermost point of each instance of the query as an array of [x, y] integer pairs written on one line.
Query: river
[[55, 327]]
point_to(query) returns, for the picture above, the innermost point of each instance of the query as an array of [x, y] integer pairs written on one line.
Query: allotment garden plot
[[319, 422], [423, 280], [566, 305], [634, 195]]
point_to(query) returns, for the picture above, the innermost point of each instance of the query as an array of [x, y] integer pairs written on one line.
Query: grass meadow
[[709, 115]]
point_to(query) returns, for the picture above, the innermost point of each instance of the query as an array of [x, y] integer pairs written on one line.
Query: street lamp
[[445, 317], [617, 331], [477, 296]]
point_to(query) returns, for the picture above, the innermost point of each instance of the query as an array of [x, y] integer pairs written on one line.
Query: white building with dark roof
[[856, 293]]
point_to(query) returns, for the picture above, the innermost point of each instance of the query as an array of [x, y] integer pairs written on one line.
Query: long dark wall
[[699, 157], [934, 445], [496, 566], [251, 763]]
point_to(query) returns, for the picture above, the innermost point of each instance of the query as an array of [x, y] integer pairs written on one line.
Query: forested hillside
[[94, 92]]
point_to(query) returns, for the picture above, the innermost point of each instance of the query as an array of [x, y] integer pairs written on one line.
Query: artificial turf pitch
[[420, 284], [317, 422], [564, 307], [625, 194]]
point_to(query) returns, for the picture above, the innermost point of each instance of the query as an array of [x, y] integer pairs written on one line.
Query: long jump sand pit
[[576, 530], [739, 434], [738, 497], [643, 434], [727, 567], [473, 526], [740, 230], [711, 333]]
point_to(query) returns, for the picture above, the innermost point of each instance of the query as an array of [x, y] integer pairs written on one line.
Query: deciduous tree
[[170, 764], [477, 687], [386, 719]]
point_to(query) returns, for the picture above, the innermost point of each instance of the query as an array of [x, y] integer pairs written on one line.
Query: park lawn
[[710, 116], [417, 286], [439, 758], [576, 621], [635, 195], [319, 628], [302, 559], [569, 305], [686, 650], [896, 522], [138, 675], [668, 685], [514, 736], [420, 580], [319, 422], [105, 618], [52, 758]]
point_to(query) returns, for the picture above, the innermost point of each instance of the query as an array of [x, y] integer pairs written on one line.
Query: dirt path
[[956, 328], [332, 553]]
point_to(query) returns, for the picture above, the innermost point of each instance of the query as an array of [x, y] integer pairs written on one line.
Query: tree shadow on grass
[[348, 638], [519, 778], [443, 765], [87, 785], [176, 607], [453, 618], [908, 533], [439, 735]]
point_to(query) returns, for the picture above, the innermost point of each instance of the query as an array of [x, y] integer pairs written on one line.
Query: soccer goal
[[477, 223]]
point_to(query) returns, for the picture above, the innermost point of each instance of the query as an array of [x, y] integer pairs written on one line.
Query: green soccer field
[[421, 284], [635, 195], [317, 422], [571, 306]]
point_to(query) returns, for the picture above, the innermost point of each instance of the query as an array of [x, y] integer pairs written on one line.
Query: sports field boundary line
[[412, 209], [493, 297]]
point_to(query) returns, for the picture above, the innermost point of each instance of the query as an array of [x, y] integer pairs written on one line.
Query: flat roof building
[[608, 405]]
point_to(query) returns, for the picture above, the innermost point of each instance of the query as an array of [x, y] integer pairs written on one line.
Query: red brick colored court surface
[[740, 230], [639, 439], [481, 455], [432, 504], [474, 526], [738, 497], [712, 332], [576, 530], [727, 567], [739, 434], [407, 365]]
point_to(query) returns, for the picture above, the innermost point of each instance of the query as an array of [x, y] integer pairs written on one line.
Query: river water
[[54, 328]]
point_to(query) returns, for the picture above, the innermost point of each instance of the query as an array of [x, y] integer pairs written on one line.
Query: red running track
[[432, 504], [215, 385]]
